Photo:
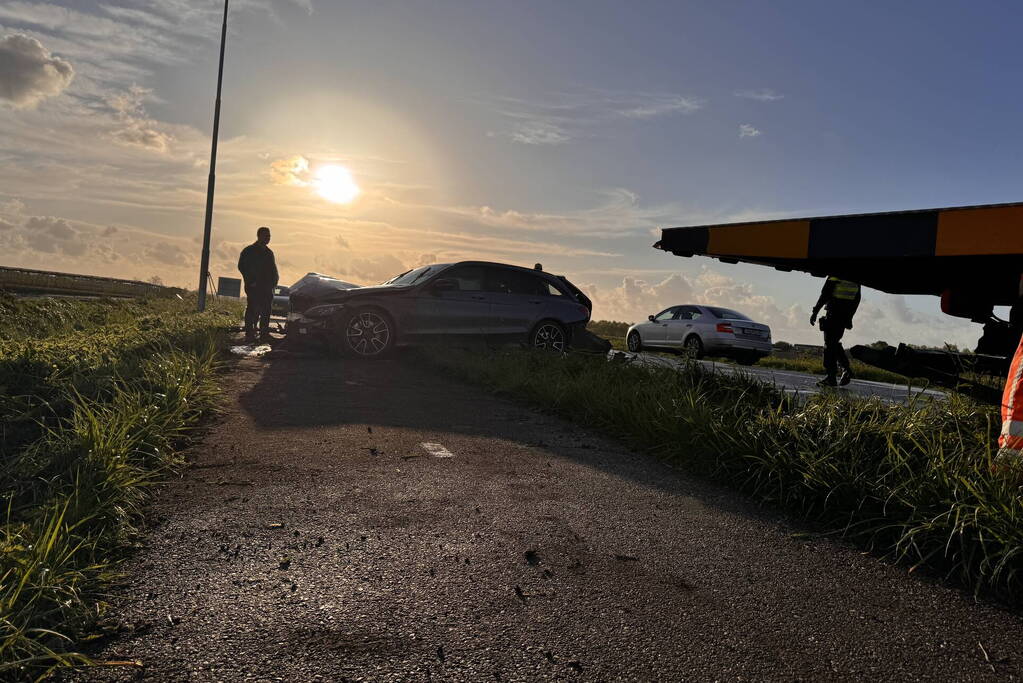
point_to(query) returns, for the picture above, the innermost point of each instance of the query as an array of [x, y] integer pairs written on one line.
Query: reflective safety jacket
[[841, 297], [1010, 441]]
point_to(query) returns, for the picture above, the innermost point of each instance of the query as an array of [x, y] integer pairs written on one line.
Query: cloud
[[53, 235], [540, 133], [366, 270], [563, 117], [293, 170], [29, 73], [748, 131], [136, 129], [660, 105], [762, 95], [14, 207], [901, 310], [169, 254], [342, 242]]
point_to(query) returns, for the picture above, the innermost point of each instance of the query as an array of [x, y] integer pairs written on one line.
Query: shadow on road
[[299, 391]]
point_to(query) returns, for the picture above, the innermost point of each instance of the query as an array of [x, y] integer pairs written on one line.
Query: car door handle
[[478, 298], [535, 301], [689, 325]]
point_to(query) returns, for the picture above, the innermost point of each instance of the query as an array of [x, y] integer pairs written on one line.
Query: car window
[[719, 312], [469, 278], [508, 281], [552, 290], [666, 314]]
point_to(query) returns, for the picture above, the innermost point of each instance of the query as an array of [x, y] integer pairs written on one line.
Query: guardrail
[[48, 282]]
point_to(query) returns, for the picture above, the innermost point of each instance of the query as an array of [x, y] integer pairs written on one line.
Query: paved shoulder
[[376, 521]]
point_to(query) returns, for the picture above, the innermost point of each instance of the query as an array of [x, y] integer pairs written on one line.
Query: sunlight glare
[[335, 184]]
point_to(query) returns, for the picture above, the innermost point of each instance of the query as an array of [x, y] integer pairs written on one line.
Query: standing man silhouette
[[259, 272], [842, 298]]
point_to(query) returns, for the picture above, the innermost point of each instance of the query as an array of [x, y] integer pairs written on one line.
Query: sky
[[567, 133]]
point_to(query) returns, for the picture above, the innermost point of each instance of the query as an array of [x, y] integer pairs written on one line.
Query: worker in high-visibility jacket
[[841, 298], [1010, 441]]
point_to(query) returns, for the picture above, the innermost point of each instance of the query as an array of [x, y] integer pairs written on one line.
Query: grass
[[912, 483], [101, 404]]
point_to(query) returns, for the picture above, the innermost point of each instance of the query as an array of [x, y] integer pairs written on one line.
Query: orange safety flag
[[1010, 442]]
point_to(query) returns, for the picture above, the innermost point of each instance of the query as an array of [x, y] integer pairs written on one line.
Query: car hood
[[344, 295], [316, 285]]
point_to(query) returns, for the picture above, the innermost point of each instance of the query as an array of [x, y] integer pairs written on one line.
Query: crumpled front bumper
[[304, 327]]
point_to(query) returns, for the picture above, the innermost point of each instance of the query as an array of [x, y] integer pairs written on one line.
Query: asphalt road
[[377, 521], [801, 383]]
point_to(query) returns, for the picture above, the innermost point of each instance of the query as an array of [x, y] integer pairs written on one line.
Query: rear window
[[725, 313], [508, 281]]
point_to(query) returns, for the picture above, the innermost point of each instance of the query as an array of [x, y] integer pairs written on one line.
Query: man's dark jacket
[[257, 266]]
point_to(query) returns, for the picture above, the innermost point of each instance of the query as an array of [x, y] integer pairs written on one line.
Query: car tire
[[549, 335], [633, 342], [367, 333], [693, 347]]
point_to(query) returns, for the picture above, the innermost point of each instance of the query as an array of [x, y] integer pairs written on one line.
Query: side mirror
[[444, 284], [650, 318]]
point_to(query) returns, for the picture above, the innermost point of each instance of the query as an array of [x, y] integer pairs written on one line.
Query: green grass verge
[[97, 415], [912, 483]]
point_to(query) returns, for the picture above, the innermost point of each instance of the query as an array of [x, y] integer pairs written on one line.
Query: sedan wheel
[[634, 343], [368, 334], [693, 347], [549, 336]]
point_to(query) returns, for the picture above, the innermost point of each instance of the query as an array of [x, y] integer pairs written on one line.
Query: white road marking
[[437, 450]]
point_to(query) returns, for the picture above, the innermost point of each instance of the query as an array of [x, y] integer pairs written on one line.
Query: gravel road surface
[[377, 521]]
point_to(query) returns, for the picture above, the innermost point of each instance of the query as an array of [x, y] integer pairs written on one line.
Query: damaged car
[[442, 301]]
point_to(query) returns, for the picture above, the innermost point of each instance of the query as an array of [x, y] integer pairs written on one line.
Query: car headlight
[[324, 310]]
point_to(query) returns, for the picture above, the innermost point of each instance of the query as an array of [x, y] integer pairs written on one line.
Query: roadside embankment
[[97, 398], [912, 483]]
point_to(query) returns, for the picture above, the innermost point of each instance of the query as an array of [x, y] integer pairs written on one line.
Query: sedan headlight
[[324, 310]]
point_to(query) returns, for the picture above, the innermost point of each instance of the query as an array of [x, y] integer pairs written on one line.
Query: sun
[[335, 184]]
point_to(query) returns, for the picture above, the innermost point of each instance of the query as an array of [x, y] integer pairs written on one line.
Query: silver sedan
[[703, 331]]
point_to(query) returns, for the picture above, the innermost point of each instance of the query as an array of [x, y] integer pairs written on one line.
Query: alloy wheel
[[633, 342], [368, 333], [693, 347], [549, 336]]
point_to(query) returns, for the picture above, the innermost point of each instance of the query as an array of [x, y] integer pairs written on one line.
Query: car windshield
[[725, 313], [409, 277]]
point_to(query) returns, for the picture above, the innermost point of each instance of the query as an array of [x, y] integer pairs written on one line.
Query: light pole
[[204, 262]]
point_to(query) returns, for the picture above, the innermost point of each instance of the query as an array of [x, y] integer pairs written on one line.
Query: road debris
[[436, 450], [251, 351]]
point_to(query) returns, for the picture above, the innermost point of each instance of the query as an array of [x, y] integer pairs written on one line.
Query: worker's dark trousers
[[834, 354], [257, 309]]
